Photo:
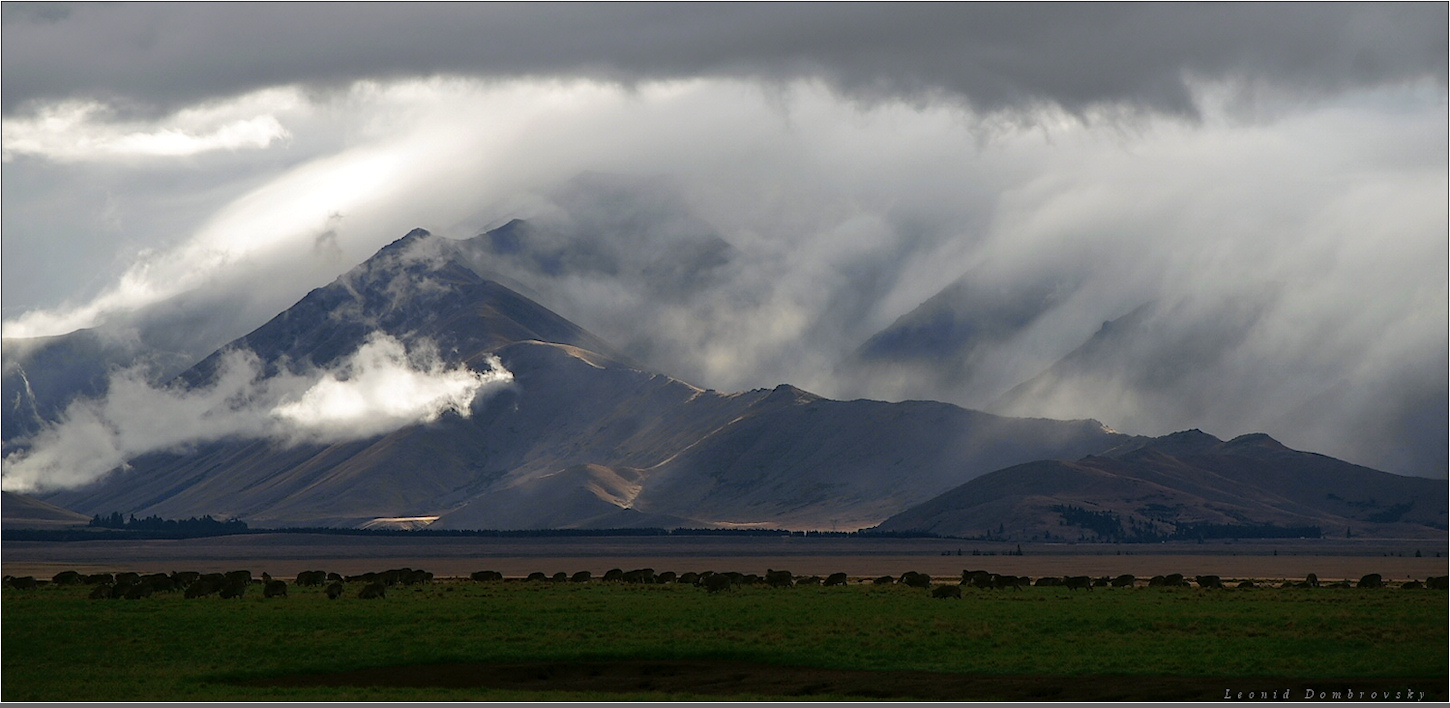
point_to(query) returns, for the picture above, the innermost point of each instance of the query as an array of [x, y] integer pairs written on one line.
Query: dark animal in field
[[101, 592], [835, 579], [582, 576], [914, 579], [66, 577], [275, 588], [416, 577], [716, 582], [334, 590], [536, 577], [100, 579], [560, 577], [812, 580], [751, 579], [1102, 582], [232, 589], [311, 578], [1373, 580], [25, 582], [202, 587], [1124, 581], [1310, 581], [1173, 580], [334, 578], [641, 575], [1208, 581], [1246, 584], [1438, 582], [136, 591], [945, 591], [613, 575], [689, 579], [1412, 585], [239, 576], [666, 577], [1048, 582], [128, 578], [484, 576], [185, 578], [779, 578], [1078, 581], [1016, 582], [884, 580], [373, 591], [976, 578]]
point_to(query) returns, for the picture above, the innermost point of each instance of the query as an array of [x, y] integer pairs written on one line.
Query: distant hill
[[22, 512], [1185, 485]]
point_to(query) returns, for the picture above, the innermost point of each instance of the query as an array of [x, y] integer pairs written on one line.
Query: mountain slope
[[1182, 484], [581, 437]]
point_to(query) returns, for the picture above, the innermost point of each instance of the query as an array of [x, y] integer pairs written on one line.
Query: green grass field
[[59, 645]]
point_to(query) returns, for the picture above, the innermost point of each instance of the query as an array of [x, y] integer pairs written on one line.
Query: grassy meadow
[[60, 645]]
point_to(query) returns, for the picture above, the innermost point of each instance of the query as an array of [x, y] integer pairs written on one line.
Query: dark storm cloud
[[159, 56]]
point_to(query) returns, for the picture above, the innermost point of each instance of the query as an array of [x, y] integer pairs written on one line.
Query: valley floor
[[286, 554]]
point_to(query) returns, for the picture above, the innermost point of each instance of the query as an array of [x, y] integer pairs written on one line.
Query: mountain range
[[582, 437], [585, 436]]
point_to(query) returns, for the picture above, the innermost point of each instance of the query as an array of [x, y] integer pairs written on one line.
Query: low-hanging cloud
[[381, 387]]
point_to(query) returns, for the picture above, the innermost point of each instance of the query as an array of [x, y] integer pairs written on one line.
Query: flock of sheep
[[133, 586]]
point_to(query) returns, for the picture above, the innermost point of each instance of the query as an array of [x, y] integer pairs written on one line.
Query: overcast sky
[[857, 157]]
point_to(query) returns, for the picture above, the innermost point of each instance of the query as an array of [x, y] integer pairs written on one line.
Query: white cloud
[[88, 131], [380, 388]]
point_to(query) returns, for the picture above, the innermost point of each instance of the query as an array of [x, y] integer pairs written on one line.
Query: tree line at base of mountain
[[1109, 527]]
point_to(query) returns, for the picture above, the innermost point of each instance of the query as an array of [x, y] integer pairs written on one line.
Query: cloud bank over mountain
[[854, 161]]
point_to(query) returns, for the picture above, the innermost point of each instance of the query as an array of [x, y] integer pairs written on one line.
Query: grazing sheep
[[642, 575], [66, 577], [1078, 581], [560, 577], [976, 578], [666, 577], [1412, 585], [101, 592], [1048, 582], [779, 578], [914, 579], [334, 590], [1247, 584], [582, 576], [1373, 580], [812, 580], [883, 580], [373, 591], [275, 588], [1124, 581], [945, 591], [613, 575], [717, 582], [185, 578], [100, 579], [202, 587], [26, 582], [1209, 581], [484, 576], [835, 579], [311, 578], [690, 578], [1438, 582]]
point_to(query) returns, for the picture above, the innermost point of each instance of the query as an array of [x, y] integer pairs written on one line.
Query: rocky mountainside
[[1184, 486], [582, 437]]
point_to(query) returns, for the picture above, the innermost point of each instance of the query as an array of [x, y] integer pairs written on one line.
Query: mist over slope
[[524, 420]]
